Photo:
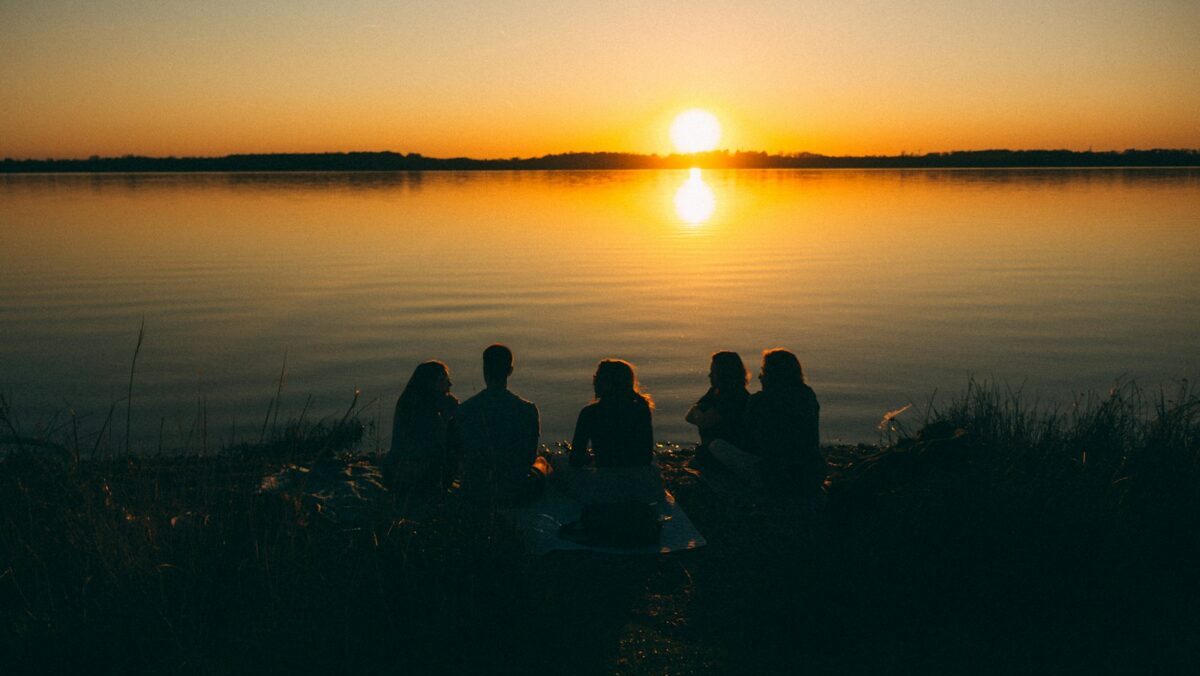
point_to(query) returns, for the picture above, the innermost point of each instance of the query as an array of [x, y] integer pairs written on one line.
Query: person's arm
[[448, 406], [703, 413], [579, 442], [533, 432], [701, 417], [646, 433], [453, 454]]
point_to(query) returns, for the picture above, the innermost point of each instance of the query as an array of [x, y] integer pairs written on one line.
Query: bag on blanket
[[618, 524]]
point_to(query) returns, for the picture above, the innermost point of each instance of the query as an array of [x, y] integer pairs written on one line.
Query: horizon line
[[363, 161], [716, 152]]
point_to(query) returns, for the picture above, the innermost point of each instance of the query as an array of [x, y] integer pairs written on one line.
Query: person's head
[[497, 365], [616, 379], [727, 372], [429, 382], [780, 369]]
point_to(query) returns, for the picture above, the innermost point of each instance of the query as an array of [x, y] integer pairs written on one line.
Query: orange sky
[[523, 78]]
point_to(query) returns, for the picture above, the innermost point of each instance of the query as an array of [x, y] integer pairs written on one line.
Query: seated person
[[782, 424], [617, 429], [718, 414], [423, 445], [498, 432]]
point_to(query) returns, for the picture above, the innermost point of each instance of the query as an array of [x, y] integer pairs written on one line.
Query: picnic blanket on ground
[[540, 522]]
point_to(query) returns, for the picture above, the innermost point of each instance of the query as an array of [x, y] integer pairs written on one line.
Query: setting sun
[[695, 131]]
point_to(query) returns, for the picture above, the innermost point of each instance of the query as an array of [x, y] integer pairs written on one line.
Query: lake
[[889, 285]]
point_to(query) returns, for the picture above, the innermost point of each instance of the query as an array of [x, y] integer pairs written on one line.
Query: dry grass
[[1037, 539]]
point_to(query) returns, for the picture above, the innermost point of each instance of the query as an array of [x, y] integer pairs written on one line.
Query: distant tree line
[[391, 161]]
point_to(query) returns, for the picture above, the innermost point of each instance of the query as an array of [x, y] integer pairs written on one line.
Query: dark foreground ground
[[1000, 540]]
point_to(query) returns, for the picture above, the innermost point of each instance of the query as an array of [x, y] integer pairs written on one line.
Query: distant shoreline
[[391, 161]]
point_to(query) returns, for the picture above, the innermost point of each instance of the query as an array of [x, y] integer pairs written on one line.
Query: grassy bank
[[998, 538]]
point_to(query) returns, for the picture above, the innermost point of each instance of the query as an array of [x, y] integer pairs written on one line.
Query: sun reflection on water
[[694, 201]]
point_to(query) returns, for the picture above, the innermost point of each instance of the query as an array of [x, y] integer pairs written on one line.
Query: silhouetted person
[[719, 413], [617, 424], [782, 422], [423, 443], [616, 427], [498, 431]]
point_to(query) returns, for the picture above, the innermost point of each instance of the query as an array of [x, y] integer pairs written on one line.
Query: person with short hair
[[498, 433]]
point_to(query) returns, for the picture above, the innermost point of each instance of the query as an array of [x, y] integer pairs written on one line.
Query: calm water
[[888, 284]]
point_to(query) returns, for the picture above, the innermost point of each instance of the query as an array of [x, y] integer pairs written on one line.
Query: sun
[[695, 131]]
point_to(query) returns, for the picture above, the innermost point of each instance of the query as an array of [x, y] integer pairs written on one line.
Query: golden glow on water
[[889, 284], [694, 201]]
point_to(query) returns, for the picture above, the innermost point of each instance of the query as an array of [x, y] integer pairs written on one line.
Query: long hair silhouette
[[728, 371], [421, 394], [617, 379], [781, 369]]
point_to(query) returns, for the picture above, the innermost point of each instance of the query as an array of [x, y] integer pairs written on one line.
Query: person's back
[[619, 429], [422, 443], [498, 434], [612, 450], [783, 424]]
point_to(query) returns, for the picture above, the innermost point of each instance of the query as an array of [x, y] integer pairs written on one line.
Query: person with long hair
[[616, 425], [783, 426], [718, 414], [612, 452], [422, 449]]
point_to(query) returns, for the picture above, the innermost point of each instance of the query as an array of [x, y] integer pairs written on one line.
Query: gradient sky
[[522, 78]]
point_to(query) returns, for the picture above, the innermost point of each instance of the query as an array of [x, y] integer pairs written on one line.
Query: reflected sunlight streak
[[694, 201]]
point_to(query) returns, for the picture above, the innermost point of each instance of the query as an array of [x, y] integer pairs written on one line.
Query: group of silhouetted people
[[779, 426], [493, 436]]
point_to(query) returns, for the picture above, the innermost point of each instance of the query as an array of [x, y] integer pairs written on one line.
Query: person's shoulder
[[807, 392], [738, 396], [519, 403], [471, 404], [473, 400], [528, 405], [755, 401], [519, 399]]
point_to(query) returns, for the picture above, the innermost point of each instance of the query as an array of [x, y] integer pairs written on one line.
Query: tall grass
[[1052, 536], [129, 392], [1001, 536], [179, 563]]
